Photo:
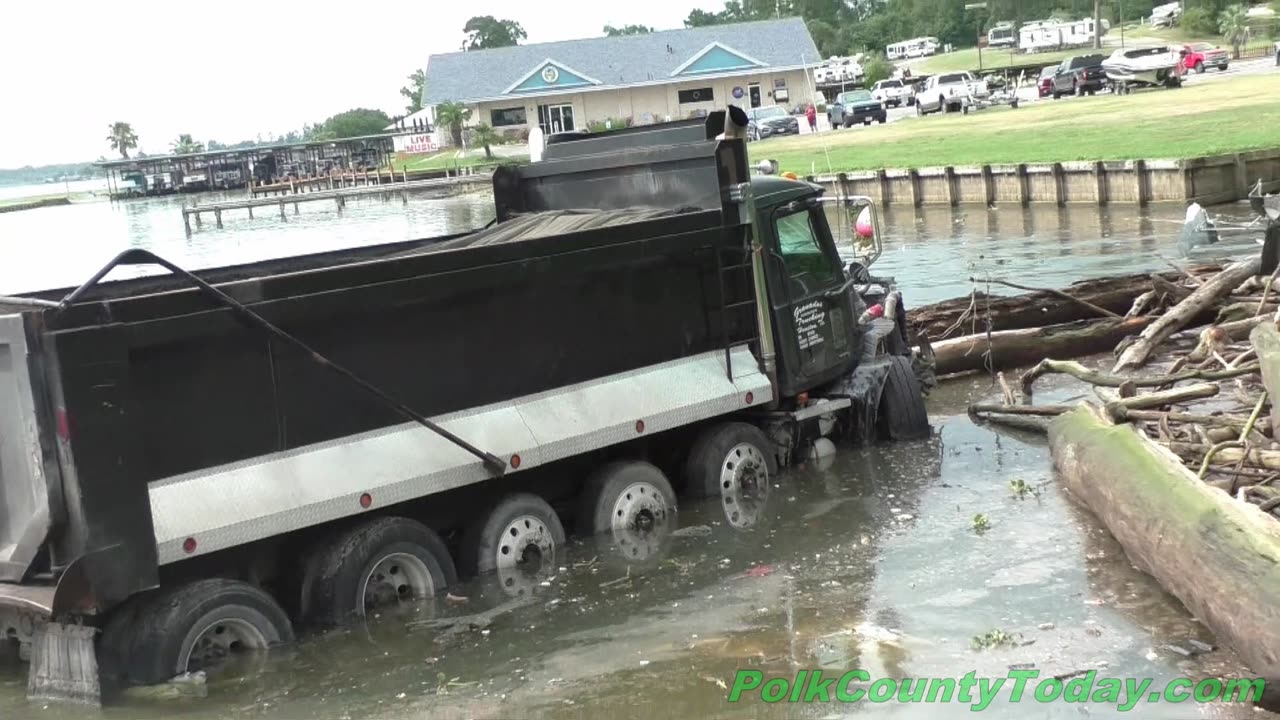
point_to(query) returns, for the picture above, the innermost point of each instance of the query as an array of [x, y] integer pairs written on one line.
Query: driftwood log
[[1035, 309], [1219, 556], [1014, 348], [1266, 342], [1204, 297]]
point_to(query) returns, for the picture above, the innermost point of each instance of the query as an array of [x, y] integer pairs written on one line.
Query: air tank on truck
[[200, 464]]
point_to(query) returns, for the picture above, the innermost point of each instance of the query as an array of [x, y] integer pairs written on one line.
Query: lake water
[[870, 561], [932, 251]]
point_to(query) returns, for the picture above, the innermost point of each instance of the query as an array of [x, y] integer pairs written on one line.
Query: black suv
[[1079, 75]]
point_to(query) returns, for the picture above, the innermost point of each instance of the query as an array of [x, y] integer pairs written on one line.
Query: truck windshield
[[802, 255]]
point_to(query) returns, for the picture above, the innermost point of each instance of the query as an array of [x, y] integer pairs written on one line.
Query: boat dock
[[339, 195]]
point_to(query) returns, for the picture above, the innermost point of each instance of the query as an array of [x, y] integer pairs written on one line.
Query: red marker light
[[366, 500], [189, 545], [639, 426], [64, 424], [515, 462], [751, 397]]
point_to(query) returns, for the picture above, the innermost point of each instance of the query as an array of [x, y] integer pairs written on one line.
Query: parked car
[[1202, 55], [950, 92], [1079, 75], [856, 106], [1045, 85], [893, 92], [765, 122]]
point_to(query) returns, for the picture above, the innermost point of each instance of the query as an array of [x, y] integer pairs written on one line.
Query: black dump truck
[[196, 464]]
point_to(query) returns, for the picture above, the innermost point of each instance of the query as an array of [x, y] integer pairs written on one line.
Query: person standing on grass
[[811, 113]]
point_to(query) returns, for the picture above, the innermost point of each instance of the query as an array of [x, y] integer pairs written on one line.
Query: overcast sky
[[234, 69]]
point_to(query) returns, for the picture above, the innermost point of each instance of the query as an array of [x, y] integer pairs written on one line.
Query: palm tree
[[122, 138], [485, 136], [184, 145], [1234, 25], [453, 115]]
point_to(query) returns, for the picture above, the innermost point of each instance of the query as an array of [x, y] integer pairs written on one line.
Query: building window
[[696, 95], [779, 83], [556, 118], [506, 117]]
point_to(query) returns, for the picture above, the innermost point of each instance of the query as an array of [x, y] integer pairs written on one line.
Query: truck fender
[[863, 387]]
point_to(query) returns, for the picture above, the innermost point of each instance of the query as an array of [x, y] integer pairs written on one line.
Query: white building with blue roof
[[632, 79]]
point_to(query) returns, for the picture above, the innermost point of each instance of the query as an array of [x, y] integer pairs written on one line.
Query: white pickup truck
[[893, 92], [951, 92]]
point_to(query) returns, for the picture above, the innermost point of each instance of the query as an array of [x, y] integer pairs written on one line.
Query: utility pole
[[1097, 24], [978, 6]]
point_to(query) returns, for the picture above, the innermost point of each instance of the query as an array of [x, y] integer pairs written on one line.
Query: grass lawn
[[446, 160], [1214, 118], [997, 58]]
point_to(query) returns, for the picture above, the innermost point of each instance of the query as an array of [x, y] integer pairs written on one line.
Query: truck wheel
[[1223, 67], [193, 627], [374, 567], [630, 505], [735, 462], [902, 414], [1199, 68], [517, 539]]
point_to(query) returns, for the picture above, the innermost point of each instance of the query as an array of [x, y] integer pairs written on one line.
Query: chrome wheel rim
[[744, 485], [394, 579], [641, 518], [525, 555], [219, 640]]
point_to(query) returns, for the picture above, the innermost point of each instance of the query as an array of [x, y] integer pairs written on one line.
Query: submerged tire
[[631, 509], [373, 567], [902, 414], [193, 627], [517, 539], [734, 461]]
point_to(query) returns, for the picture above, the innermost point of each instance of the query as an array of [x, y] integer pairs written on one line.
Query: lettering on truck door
[[819, 311]]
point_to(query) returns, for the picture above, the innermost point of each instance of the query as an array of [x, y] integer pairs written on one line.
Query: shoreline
[[34, 204]]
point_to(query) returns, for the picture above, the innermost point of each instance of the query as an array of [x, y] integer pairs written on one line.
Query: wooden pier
[[338, 195]]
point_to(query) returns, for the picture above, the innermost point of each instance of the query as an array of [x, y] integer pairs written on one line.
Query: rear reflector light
[[750, 398], [639, 426], [189, 545], [64, 424], [515, 462], [366, 500]]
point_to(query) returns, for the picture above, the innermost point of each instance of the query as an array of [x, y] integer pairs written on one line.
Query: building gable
[[716, 57], [550, 75]]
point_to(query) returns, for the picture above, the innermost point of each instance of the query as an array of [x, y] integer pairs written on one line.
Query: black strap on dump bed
[[137, 256]]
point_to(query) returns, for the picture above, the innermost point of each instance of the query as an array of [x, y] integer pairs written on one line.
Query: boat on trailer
[[1149, 66]]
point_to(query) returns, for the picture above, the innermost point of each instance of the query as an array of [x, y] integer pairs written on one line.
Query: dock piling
[[186, 222], [217, 216]]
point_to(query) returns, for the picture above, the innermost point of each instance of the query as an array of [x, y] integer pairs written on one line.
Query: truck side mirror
[[865, 222]]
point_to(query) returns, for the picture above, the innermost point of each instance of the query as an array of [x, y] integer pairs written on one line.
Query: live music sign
[[416, 143]]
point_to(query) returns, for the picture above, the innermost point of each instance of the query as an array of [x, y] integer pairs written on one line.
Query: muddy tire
[[373, 567], [192, 627], [517, 539], [902, 414], [630, 507]]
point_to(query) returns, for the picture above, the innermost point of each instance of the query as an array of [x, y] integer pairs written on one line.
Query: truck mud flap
[[863, 388]]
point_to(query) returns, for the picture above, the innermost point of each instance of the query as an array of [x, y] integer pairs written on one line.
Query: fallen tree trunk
[[1014, 348], [1135, 356], [1035, 309], [1097, 377], [1219, 556], [1266, 343]]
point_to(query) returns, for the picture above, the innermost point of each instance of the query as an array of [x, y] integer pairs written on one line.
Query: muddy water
[[870, 562]]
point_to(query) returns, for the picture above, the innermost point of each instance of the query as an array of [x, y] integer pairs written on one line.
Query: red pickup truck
[[1203, 55]]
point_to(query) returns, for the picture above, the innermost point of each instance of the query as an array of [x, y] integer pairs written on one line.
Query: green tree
[[184, 145], [413, 91], [122, 138], [702, 18], [876, 68], [453, 115], [1234, 25], [355, 123], [486, 31], [612, 31], [1199, 21], [484, 136]]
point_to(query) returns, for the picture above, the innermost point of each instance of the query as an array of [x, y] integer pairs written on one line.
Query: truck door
[[813, 309]]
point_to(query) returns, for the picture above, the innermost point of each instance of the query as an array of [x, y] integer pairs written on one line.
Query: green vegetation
[[184, 145], [1234, 25], [875, 69], [612, 31], [1227, 116], [413, 91], [31, 175], [994, 639], [122, 138], [485, 137], [980, 523], [453, 116], [486, 31], [1020, 489], [355, 123]]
